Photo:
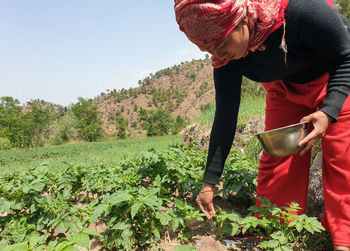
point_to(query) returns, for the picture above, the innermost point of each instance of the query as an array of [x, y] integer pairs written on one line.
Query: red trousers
[[285, 179]]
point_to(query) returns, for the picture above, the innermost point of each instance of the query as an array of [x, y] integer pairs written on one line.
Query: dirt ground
[[205, 238]]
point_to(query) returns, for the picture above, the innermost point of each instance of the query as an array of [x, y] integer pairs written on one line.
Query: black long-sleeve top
[[318, 41]]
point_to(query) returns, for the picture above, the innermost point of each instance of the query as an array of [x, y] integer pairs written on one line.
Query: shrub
[[88, 120], [64, 131], [5, 144], [156, 122]]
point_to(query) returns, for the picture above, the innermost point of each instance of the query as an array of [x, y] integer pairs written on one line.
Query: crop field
[[135, 203], [93, 153]]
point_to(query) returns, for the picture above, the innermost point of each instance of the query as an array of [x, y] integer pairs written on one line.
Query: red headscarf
[[207, 22]]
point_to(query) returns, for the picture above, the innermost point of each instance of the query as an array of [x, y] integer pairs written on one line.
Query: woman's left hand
[[320, 121]]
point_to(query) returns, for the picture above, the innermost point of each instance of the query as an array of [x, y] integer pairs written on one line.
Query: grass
[[94, 153], [249, 106]]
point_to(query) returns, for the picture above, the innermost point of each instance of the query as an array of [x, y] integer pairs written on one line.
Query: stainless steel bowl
[[283, 141]]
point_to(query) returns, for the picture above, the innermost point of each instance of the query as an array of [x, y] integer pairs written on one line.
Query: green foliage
[[193, 76], [207, 114], [93, 153], [252, 149], [249, 106], [37, 121], [43, 199], [156, 122], [283, 229], [179, 123], [122, 125], [138, 200], [344, 8], [239, 177], [11, 120], [251, 88], [24, 129], [64, 130], [5, 144], [88, 121], [226, 222], [184, 248], [160, 122]]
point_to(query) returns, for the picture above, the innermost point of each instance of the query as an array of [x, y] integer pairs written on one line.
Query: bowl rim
[[284, 127]]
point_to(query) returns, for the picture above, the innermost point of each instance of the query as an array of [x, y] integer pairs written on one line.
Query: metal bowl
[[283, 141]]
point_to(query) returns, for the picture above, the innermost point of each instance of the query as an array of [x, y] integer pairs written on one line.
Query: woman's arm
[[227, 97]]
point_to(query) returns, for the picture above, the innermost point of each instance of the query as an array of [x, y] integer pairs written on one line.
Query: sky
[[60, 50]]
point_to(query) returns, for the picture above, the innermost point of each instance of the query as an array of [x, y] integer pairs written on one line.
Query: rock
[[254, 125], [200, 134], [196, 133], [315, 199]]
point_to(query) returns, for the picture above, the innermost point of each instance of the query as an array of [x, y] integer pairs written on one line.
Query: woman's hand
[[320, 121], [205, 200]]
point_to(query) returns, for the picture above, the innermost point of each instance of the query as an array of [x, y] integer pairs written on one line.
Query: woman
[[300, 50]]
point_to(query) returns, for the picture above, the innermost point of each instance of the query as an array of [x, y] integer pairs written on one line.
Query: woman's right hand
[[205, 200]]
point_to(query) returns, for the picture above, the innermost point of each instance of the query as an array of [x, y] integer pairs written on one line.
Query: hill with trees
[[163, 103]]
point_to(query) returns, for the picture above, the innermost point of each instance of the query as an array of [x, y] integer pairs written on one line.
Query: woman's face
[[235, 45]]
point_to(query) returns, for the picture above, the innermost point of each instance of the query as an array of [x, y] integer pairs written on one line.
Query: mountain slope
[[180, 89]]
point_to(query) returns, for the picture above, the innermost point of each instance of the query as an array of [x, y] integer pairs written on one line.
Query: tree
[[10, 120], [343, 6], [88, 120], [193, 76], [156, 122], [179, 124], [122, 125], [24, 129], [36, 123]]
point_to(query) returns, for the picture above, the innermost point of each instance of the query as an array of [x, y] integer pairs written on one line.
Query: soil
[[205, 238]]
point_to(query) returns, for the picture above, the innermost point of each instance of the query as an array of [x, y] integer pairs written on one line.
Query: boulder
[[315, 199], [196, 133], [254, 125]]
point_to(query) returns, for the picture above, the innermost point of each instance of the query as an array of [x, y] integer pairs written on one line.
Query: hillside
[[180, 89]]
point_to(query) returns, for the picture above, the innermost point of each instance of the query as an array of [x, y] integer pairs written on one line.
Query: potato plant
[[138, 200]]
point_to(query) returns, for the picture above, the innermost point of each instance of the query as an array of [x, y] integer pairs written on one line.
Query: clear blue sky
[[60, 50]]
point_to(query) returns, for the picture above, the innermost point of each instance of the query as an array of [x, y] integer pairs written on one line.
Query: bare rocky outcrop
[[196, 133], [254, 125], [315, 201]]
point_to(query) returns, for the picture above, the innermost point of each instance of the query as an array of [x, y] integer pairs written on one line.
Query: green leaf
[[299, 227], [90, 232], [184, 248], [99, 210], [65, 244], [231, 228], [175, 223], [163, 218], [38, 186], [81, 239], [272, 243], [121, 226], [43, 247], [17, 204], [23, 246], [119, 197], [63, 226], [70, 248], [134, 209], [309, 228], [156, 233], [35, 240], [4, 205]]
